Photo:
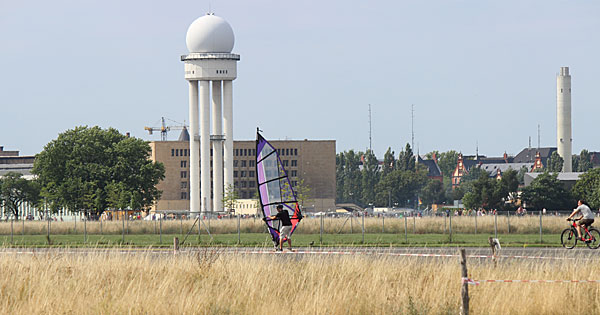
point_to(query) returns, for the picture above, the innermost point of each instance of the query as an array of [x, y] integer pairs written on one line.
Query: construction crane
[[164, 129]]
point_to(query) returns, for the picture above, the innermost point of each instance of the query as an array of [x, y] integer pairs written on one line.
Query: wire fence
[[126, 226]]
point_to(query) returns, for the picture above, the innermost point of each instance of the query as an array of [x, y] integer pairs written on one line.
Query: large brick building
[[310, 161]]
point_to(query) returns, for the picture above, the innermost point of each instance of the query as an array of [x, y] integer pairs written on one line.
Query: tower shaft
[[564, 138]]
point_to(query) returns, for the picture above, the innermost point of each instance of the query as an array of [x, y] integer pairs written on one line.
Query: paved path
[[480, 253]]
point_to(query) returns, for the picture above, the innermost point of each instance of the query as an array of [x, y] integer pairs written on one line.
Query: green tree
[[370, 176], [83, 168], [546, 191], [406, 159], [16, 190], [340, 162], [588, 188], [433, 192], [401, 185], [352, 178], [230, 197], [473, 174], [555, 163], [388, 162], [521, 175], [303, 192], [584, 162]]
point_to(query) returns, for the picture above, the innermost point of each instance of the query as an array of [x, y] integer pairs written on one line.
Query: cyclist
[[587, 216]]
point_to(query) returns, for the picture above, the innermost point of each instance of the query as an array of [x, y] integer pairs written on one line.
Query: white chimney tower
[[564, 140]]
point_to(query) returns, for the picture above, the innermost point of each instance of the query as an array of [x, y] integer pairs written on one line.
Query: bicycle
[[569, 238]]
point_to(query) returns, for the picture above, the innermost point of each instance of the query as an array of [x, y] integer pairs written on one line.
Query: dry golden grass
[[485, 224], [236, 284]]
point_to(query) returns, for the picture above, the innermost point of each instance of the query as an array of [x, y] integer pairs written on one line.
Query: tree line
[[362, 180]]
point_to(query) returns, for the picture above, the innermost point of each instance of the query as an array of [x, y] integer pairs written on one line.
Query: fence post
[[351, 219], [160, 228], [363, 228], [11, 229], [496, 225], [100, 219], [445, 224], [450, 227], [75, 216], [321, 231], [475, 222], [239, 238], [383, 223], [127, 218], [508, 220], [23, 219], [464, 292], [405, 229], [541, 240], [175, 245], [181, 223], [414, 224], [84, 230], [123, 227]]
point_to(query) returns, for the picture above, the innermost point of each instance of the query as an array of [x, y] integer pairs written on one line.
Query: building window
[[245, 152], [235, 163], [183, 185], [251, 174], [237, 152], [294, 162], [172, 152], [285, 163], [243, 174], [243, 163], [183, 195], [287, 151], [183, 163], [251, 184], [294, 173], [295, 151], [183, 174], [243, 184], [235, 174], [294, 183]]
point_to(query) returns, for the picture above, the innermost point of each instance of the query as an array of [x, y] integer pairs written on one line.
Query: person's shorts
[[286, 231], [586, 222]]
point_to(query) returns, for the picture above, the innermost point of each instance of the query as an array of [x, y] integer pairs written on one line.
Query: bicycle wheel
[[568, 238], [595, 242]]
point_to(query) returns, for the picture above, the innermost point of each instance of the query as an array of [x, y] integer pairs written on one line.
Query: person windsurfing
[[286, 227]]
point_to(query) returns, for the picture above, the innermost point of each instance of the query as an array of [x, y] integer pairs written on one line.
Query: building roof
[[528, 155], [184, 135], [503, 167], [434, 169]]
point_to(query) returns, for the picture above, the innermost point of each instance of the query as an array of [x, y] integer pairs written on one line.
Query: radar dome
[[210, 34]]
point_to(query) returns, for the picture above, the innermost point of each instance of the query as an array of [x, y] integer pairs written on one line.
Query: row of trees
[[90, 170], [361, 180]]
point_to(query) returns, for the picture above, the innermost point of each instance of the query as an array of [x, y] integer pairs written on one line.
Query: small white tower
[[564, 138], [210, 40]]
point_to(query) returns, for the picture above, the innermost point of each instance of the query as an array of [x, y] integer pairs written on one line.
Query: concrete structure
[[564, 139], [210, 40], [10, 161], [309, 161]]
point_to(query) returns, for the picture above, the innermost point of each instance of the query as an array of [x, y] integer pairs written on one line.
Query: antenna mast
[[370, 135], [412, 126], [538, 137]]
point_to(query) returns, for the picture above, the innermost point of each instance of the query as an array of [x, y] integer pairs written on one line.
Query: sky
[[479, 74]]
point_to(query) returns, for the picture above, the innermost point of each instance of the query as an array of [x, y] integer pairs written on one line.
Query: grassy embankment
[[213, 283]]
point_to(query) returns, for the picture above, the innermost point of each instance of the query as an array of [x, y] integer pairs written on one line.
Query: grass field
[[214, 283], [427, 231]]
